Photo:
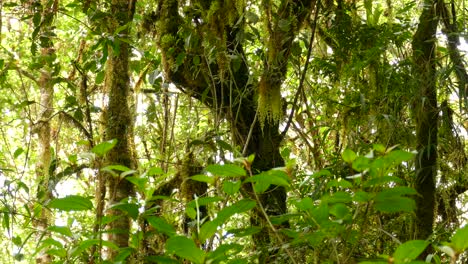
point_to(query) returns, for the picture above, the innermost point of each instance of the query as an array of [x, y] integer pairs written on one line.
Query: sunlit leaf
[[71, 203], [460, 239], [409, 250], [226, 170], [102, 148], [185, 248], [161, 225], [348, 155]]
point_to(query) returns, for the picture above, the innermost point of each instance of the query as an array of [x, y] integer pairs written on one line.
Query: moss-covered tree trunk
[[425, 115], [44, 166], [118, 118], [203, 54]]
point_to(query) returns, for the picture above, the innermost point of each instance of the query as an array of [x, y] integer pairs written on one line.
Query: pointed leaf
[[226, 170], [460, 239], [185, 248], [102, 148], [409, 250], [71, 203]]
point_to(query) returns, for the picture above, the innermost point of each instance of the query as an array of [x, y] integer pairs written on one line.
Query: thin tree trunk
[[44, 164], [118, 120], [425, 114]]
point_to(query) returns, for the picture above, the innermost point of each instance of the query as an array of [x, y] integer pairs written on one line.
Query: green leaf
[[130, 208], [381, 181], [265, 179], [203, 178], [116, 167], [230, 187], [180, 58], [201, 201], [102, 148], [409, 251], [59, 252], [83, 245], [209, 228], [71, 203], [361, 197], [18, 152], [226, 170], [223, 252], [161, 226], [63, 230], [100, 77], [348, 155], [341, 183], [139, 182], [185, 248], [460, 239], [338, 197], [394, 204], [17, 241], [251, 17], [361, 164], [241, 232]]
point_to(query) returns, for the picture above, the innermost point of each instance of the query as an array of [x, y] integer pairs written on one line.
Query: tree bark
[[425, 115], [118, 119], [44, 166], [225, 83]]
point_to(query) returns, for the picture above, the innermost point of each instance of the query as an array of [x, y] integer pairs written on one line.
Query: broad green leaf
[[237, 208], [226, 170], [305, 204], [160, 260], [339, 210], [379, 148], [203, 178], [201, 201], [116, 167], [348, 155], [139, 182], [63, 230], [209, 228], [338, 197], [398, 156], [409, 251], [248, 231], [130, 208], [161, 225], [341, 183], [361, 164], [154, 171], [223, 252], [83, 245], [380, 181], [71, 203], [102, 148], [230, 187], [361, 197], [185, 248], [59, 252], [394, 204], [460, 239]]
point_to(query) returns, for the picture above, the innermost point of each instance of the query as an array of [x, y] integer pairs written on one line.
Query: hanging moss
[[269, 102]]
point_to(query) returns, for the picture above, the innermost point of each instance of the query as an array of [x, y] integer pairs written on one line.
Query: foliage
[[235, 109]]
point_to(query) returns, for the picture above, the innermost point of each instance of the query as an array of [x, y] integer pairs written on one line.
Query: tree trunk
[[44, 166], [118, 119], [425, 114]]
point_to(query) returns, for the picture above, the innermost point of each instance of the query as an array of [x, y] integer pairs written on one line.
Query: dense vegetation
[[233, 131]]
